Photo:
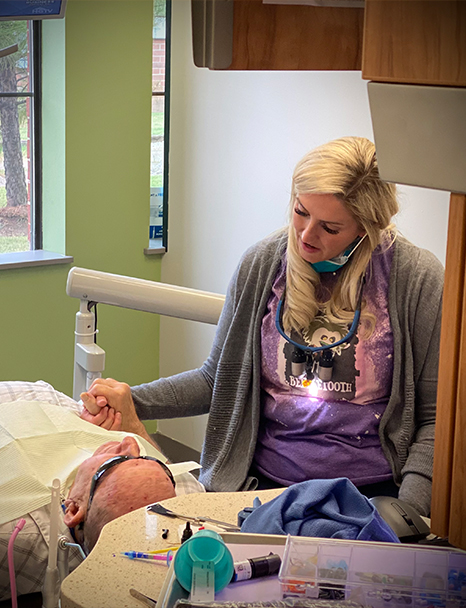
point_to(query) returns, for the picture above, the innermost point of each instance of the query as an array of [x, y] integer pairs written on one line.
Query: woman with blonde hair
[[325, 359]]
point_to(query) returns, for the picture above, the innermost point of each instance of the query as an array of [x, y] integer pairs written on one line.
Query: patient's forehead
[[134, 483], [135, 469], [86, 470]]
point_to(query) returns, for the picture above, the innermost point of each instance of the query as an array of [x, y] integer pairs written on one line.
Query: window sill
[[28, 259], [155, 247]]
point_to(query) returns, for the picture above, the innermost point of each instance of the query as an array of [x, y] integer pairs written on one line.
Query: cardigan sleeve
[[190, 393], [423, 321]]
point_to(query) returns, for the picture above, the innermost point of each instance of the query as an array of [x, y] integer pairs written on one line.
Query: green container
[[204, 546]]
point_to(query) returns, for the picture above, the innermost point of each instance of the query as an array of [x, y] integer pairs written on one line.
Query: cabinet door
[[251, 35], [415, 41]]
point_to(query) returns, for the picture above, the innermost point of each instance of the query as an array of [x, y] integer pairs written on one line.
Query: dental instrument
[[163, 550], [144, 599], [158, 558], [143, 555], [51, 587], [161, 510]]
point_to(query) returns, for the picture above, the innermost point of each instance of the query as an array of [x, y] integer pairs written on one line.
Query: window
[[20, 169], [160, 124]]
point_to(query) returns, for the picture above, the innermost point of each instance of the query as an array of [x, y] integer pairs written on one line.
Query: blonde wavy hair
[[346, 168]]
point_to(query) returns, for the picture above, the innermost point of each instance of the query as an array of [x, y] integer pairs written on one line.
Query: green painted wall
[[102, 198]]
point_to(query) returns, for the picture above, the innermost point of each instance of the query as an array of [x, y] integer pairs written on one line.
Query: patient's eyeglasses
[[112, 462]]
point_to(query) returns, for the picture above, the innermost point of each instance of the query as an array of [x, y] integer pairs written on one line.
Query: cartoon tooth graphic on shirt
[[323, 332]]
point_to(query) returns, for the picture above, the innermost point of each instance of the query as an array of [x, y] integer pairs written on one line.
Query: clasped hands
[[109, 404]]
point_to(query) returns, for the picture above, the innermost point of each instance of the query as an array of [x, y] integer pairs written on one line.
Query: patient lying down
[[104, 474], [126, 486]]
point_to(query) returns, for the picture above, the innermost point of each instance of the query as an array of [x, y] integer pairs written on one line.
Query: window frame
[[36, 256], [36, 207], [166, 125], [153, 249]]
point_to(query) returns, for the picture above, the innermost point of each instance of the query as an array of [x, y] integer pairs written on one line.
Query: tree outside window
[[16, 144]]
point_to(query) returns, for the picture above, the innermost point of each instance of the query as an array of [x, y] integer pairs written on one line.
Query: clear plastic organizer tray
[[381, 575]]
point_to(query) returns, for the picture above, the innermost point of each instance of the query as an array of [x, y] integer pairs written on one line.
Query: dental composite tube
[[256, 567]]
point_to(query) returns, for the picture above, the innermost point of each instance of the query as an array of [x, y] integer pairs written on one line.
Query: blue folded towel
[[327, 508]]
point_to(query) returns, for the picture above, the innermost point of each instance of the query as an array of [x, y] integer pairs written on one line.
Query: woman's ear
[[74, 513]]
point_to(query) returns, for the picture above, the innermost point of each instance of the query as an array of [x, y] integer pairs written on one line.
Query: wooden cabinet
[[449, 480], [415, 41], [423, 42], [405, 41], [293, 37], [251, 35]]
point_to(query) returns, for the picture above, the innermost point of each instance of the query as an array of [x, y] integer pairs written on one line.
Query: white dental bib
[[40, 442]]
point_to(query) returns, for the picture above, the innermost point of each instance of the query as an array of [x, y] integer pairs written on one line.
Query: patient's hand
[[96, 411], [115, 395], [93, 404]]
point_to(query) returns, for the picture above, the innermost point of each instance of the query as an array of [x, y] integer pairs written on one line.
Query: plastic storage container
[[381, 575]]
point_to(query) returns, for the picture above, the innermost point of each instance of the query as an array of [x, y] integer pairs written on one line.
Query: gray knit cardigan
[[227, 386]]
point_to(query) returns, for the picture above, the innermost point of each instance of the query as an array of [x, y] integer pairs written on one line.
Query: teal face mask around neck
[[340, 260]]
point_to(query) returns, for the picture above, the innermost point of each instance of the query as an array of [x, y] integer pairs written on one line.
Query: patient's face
[[137, 484], [82, 483], [127, 486]]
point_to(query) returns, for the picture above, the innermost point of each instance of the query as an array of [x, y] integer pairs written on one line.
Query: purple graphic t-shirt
[[315, 429]]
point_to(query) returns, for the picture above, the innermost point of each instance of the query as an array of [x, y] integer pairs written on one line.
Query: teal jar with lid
[[204, 546]]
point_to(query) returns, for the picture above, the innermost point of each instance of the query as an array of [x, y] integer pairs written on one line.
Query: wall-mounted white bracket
[[127, 292], [89, 358]]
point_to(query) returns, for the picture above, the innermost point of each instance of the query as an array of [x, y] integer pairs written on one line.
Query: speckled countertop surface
[[104, 579]]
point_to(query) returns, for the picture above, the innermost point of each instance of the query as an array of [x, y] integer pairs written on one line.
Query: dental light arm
[[127, 292]]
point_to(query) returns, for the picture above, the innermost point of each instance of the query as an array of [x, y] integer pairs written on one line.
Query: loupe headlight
[[316, 360]]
